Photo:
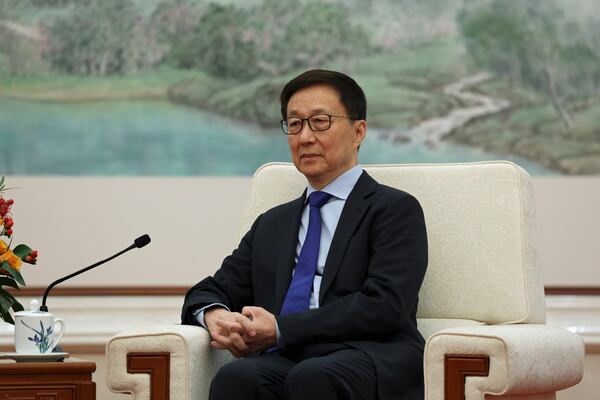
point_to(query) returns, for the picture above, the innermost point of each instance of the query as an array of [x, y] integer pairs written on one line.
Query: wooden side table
[[67, 380]]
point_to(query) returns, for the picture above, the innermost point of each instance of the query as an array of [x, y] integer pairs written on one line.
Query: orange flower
[[3, 247], [12, 259]]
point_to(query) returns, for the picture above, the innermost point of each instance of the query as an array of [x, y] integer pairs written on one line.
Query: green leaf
[[13, 272], [16, 306], [6, 300], [22, 251], [6, 295], [7, 317], [1, 183], [6, 281]]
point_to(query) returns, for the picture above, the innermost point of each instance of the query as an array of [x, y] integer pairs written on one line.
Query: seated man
[[319, 300]]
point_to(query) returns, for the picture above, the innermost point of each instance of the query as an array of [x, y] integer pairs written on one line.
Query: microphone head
[[141, 241]]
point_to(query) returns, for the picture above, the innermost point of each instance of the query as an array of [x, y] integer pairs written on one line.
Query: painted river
[[160, 138]]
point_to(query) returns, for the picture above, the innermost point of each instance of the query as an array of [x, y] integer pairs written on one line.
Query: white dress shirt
[[331, 211]]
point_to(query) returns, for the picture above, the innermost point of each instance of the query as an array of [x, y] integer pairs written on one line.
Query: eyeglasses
[[317, 123]]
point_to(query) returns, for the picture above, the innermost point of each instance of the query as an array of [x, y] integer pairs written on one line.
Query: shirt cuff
[[280, 343], [199, 313]]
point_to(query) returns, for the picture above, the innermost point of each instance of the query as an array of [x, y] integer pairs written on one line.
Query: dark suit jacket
[[368, 296]]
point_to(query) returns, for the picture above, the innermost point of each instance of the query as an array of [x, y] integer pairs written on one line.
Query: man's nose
[[306, 135]]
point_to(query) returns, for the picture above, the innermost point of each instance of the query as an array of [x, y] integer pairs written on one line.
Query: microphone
[[137, 243]]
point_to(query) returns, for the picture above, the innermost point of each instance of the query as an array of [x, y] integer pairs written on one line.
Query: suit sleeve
[[231, 285], [388, 298]]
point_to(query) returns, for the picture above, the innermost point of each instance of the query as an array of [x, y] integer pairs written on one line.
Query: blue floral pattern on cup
[[41, 337]]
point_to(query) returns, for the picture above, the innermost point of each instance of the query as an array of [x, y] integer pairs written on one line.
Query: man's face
[[323, 156]]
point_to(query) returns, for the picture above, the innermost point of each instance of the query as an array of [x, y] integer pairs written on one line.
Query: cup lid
[[34, 310]]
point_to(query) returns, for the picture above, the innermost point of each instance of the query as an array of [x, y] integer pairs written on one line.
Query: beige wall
[[568, 215], [75, 221]]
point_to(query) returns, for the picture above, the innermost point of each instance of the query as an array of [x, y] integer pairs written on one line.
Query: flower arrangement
[[11, 259]]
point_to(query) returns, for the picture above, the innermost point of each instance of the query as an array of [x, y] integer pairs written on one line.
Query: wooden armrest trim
[[456, 368], [157, 365]]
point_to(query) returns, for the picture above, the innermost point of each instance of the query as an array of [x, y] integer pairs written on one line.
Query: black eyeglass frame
[[285, 128]]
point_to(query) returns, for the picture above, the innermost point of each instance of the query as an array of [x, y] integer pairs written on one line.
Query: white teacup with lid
[[37, 332]]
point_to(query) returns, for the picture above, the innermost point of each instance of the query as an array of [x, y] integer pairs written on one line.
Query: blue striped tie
[[297, 298]]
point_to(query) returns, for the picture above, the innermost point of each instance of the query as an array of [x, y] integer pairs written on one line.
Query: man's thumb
[[248, 312]]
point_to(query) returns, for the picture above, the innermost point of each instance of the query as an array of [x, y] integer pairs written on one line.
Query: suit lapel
[[286, 250], [354, 210]]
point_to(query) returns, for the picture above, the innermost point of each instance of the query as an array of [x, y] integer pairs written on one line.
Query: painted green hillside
[[514, 77]]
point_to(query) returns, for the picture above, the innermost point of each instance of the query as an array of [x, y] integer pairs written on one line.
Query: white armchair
[[481, 305]]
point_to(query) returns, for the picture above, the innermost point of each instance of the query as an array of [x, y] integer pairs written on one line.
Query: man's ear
[[360, 131]]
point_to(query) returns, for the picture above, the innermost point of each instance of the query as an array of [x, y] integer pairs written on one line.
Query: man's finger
[[247, 324], [223, 343], [217, 345], [238, 342], [235, 352], [221, 339], [249, 312], [230, 326]]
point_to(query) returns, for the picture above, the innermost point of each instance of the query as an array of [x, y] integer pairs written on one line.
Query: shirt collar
[[342, 185]]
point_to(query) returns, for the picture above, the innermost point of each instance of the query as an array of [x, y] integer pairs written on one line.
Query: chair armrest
[[523, 359], [190, 362]]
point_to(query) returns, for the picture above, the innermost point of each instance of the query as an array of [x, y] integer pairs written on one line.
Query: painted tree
[[270, 39], [219, 44], [532, 43], [99, 37], [173, 21], [398, 23], [20, 45], [320, 33]]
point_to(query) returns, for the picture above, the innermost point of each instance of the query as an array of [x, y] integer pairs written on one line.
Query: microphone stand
[[139, 242]]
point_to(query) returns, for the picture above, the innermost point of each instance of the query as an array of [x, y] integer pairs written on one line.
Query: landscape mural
[[184, 87]]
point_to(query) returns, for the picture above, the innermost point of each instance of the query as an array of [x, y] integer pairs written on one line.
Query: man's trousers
[[346, 374]]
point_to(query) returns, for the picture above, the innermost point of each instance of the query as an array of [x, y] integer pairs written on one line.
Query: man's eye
[[320, 123], [294, 123]]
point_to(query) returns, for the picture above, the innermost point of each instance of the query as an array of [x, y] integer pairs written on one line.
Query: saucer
[[18, 357]]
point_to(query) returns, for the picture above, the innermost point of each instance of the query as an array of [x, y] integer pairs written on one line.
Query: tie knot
[[318, 199]]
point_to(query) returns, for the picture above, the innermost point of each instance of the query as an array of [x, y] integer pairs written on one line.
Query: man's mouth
[[308, 156]]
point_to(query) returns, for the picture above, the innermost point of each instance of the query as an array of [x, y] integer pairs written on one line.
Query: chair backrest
[[483, 263]]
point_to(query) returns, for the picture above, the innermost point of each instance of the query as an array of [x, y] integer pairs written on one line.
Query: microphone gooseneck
[[138, 243]]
